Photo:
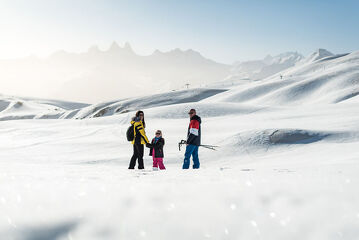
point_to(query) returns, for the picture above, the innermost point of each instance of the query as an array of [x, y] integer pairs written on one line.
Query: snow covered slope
[[280, 173], [321, 78], [319, 54], [259, 69], [286, 166], [12, 108], [132, 104]]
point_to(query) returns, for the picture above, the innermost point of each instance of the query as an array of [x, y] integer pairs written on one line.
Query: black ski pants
[[137, 154]]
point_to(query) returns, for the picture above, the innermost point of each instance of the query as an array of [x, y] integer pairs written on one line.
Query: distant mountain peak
[[323, 51], [59, 54], [269, 65], [94, 49], [268, 58], [127, 47], [157, 52], [176, 50], [286, 57], [180, 52], [193, 52], [114, 47], [319, 54]]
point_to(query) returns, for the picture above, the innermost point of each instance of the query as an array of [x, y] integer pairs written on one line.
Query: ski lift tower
[[187, 85]]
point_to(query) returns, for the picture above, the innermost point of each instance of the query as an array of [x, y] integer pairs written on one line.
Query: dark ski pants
[[191, 150], [137, 154]]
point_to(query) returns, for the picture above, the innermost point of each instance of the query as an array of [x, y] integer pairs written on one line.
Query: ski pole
[[212, 146], [209, 147], [181, 143]]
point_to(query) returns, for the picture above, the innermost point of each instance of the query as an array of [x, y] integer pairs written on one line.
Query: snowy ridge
[[133, 104], [259, 69], [13, 108], [328, 79], [317, 55], [23, 108]]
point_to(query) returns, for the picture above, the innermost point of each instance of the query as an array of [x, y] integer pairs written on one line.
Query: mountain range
[[118, 72], [322, 77]]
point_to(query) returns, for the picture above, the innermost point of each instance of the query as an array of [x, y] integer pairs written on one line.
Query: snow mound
[[296, 136], [275, 137]]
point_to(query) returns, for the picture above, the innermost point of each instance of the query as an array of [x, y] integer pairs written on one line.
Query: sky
[[225, 31]]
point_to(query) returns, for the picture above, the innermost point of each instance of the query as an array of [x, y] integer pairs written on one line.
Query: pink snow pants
[[157, 162]]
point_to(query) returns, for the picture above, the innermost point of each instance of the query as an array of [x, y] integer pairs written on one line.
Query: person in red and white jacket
[[193, 140]]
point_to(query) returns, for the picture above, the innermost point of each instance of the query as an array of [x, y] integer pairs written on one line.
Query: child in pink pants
[[156, 151]]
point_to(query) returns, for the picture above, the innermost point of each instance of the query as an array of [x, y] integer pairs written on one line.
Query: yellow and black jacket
[[139, 133]]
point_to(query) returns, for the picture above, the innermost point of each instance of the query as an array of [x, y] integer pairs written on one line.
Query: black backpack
[[130, 134]]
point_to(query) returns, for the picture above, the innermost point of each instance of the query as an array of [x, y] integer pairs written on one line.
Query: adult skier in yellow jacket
[[139, 140]]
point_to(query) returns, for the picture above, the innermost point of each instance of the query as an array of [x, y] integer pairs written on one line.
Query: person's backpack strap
[[142, 133]]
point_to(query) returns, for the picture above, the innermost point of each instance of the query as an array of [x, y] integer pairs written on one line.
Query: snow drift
[[271, 137]]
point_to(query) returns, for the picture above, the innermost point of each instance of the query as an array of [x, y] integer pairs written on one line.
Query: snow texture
[[286, 167]]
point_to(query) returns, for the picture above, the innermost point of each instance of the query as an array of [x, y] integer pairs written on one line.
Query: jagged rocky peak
[[127, 46], [178, 52], [116, 48]]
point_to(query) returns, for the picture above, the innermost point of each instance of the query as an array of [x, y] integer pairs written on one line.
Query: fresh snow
[[286, 168], [319, 54], [12, 108], [259, 69], [327, 80], [68, 179]]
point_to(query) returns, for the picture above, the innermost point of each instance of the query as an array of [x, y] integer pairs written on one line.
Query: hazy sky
[[224, 31]]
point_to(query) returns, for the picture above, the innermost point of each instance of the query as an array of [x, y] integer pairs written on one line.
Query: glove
[[148, 145]]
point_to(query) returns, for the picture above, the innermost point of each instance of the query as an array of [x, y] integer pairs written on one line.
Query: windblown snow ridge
[[271, 137]]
